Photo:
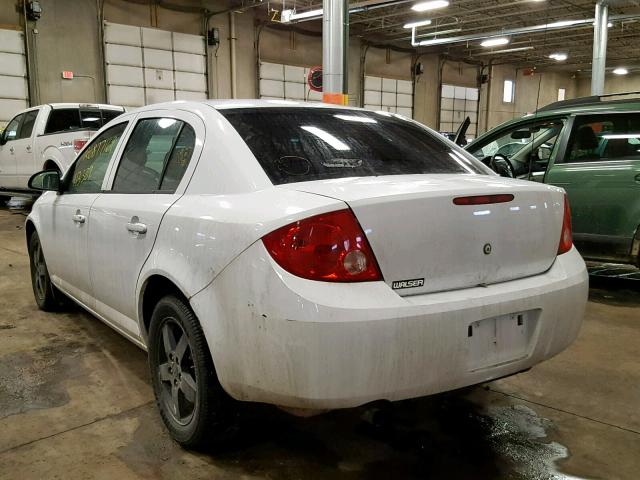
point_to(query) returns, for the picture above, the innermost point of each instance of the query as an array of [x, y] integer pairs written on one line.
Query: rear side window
[[156, 156], [62, 120], [302, 144], [601, 138]]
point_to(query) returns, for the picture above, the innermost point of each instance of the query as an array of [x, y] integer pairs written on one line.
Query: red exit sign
[[67, 74]]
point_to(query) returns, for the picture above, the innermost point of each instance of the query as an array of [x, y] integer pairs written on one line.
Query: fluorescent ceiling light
[[494, 42], [290, 15], [620, 71], [559, 57], [327, 137], [431, 5], [356, 118], [508, 50], [420, 23], [616, 136]]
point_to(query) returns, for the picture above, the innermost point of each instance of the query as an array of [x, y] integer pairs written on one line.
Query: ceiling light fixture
[[507, 50], [430, 5], [420, 23], [620, 71], [494, 42], [289, 15], [559, 57]]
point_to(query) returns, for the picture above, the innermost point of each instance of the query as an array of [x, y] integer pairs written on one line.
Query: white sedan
[[308, 256]]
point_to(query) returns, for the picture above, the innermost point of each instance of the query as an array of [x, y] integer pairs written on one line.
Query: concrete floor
[[75, 402]]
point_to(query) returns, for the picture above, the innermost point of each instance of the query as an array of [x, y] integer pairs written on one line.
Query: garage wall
[[494, 111], [612, 84]]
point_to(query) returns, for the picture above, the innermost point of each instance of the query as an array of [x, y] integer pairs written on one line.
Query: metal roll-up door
[[14, 89], [148, 65], [389, 95]]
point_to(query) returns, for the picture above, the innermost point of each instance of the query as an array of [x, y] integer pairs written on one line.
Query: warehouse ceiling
[[384, 25]]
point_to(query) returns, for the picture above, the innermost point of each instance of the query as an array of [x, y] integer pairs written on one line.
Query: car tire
[[47, 296], [193, 405]]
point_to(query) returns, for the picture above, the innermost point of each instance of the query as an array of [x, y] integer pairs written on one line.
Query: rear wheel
[[47, 296], [193, 406]]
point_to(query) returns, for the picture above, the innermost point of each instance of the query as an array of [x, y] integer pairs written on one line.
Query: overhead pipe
[[599, 48]]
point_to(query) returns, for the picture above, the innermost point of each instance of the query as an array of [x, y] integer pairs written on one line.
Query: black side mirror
[[3, 139], [47, 180]]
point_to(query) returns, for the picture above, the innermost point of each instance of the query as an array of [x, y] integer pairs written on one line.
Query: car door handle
[[28, 148], [11, 150], [78, 218], [137, 227]]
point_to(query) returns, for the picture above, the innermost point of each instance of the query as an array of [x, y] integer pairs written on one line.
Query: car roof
[[85, 105], [242, 103]]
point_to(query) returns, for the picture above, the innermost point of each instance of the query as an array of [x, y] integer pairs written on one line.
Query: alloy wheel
[[176, 372]]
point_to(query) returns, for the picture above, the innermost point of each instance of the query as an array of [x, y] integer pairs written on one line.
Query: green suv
[[591, 148]]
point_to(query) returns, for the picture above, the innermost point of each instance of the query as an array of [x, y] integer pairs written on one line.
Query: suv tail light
[[566, 238], [78, 143], [330, 247]]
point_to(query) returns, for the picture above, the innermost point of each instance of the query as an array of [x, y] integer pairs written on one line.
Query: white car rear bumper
[[306, 344]]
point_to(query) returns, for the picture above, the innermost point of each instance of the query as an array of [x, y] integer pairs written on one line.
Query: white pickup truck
[[47, 137]]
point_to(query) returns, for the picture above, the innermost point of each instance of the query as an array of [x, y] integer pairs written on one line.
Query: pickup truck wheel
[[193, 406], [47, 296]]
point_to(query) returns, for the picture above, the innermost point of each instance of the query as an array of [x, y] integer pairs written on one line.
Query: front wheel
[[193, 406]]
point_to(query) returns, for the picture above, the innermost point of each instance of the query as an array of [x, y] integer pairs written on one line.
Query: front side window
[[27, 124], [609, 137], [301, 144], [13, 129], [528, 146], [155, 157], [91, 166]]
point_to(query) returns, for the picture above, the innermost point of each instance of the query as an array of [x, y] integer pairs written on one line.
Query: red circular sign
[[314, 79]]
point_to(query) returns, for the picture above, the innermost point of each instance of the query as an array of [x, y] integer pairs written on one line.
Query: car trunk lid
[[424, 242]]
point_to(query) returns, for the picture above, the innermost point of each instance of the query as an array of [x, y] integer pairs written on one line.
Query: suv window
[[535, 141], [12, 130], [156, 145], [298, 144], [606, 137], [91, 166], [27, 124], [63, 119]]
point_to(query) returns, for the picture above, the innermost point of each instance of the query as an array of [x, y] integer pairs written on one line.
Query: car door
[[7, 152], [125, 220], [23, 150], [600, 170], [64, 227], [529, 145]]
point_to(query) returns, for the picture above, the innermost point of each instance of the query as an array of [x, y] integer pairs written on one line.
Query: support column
[[599, 48], [335, 47]]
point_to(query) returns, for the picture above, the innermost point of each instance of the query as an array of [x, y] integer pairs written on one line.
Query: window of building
[[508, 93]]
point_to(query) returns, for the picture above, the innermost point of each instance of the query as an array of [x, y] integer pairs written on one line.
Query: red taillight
[[78, 143], [329, 247], [483, 199], [566, 239]]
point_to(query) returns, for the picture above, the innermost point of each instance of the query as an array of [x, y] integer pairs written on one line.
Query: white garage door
[[389, 95], [14, 91], [456, 104], [147, 65], [286, 82]]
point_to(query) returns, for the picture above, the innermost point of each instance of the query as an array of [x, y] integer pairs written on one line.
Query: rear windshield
[[303, 144], [67, 119]]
